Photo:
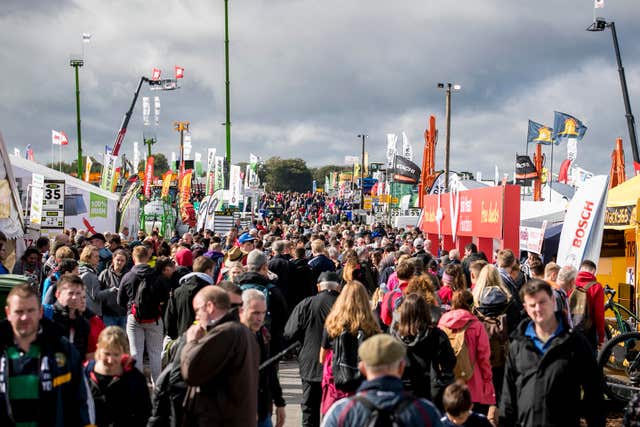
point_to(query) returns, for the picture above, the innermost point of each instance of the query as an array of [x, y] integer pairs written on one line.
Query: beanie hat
[[184, 257]]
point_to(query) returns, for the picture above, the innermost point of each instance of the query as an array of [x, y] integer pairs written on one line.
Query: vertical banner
[[391, 148], [211, 154], [136, 157], [219, 174], [581, 235], [146, 110], [148, 177], [87, 171], [185, 186], [114, 181], [108, 171], [166, 183], [198, 164], [156, 104], [37, 196], [235, 185], [172, 165], [254, 181], [247, 177]]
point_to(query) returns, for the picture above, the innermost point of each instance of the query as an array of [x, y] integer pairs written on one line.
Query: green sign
[[97, 206]]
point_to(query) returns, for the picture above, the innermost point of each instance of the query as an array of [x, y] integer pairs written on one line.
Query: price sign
[[53, 205]]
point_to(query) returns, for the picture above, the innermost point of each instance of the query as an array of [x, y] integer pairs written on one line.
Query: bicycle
[[619, 359], [624, 326]]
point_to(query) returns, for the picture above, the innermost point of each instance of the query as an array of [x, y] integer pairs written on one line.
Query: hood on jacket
[[251, 277], [85, 268], [417, 340], [143, 270], [456, 319], [584, 278], [196, 275], [214, 255]]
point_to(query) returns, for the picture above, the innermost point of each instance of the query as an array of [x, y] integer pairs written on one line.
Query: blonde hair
[[113, 337], [489, 276], [85, 256], [351, 312]]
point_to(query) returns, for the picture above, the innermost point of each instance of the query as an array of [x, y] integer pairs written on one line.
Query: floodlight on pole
[[448, 87], [600, 24], [76, 63]]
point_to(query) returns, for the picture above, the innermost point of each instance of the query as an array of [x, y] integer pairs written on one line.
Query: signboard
[[108, 171], [619, 216], [531, 238], [53, 206], [97, 206], [37, 195]]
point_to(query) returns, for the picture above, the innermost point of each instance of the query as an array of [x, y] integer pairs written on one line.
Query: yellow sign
[[384, 198], [394, 200]]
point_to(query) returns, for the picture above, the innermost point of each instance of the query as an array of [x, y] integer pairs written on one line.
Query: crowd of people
[[116, 329]]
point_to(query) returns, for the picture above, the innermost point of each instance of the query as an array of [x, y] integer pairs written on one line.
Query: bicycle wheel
[[619, 363]]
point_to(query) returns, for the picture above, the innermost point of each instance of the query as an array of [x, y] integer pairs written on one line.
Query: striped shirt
[[24, 384]]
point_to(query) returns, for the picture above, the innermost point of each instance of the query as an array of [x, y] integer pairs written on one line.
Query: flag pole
[[550, 179]]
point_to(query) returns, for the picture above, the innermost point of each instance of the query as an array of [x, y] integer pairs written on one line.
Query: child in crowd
[[458, 407]]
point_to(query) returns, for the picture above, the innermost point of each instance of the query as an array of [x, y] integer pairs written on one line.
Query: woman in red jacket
[[477, 341]]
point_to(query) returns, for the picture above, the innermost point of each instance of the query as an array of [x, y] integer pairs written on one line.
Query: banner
[[166, 183], [108, 171], [210, 177], [539, 134], [156, 109], [407, 150], [235, 185], [197, 162], [219, 174], [136, 157], [87, 170], [405, 171], [391, 148], [567, 126], [114, 181], [185, 187], [97, 206], [179, 72], [581, 235], [37, 197], [146, 110], [525, 171], [531, 238], [129, 190], [148, 177], [59, 138], [254, 180]]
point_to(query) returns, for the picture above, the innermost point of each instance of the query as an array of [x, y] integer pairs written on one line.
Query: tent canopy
[[625, 194]]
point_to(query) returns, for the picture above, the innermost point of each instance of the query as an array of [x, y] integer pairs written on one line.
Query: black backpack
[[148, 297], [386, 417], [344, 362]]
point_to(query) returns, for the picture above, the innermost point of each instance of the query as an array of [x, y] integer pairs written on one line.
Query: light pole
[[363, 137], [448, 87], [599, 25], [77, 63], [227, 83]]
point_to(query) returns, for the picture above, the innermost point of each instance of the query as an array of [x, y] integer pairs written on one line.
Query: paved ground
[[292, 391]]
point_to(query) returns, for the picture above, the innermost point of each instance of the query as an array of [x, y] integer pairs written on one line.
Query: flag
[[16, 151], [211, 154], [136, 156], [598, 4], [29, 152], [166, 183], [567, 126], [539, 134], [155, 74], [391, 148], [407, 151], [218, 173], [146, 110], [179, 72], [59, 138], [86, 37], [525, 171], [156, 105], [87, 171], [148, 177], [405, 171], [107, 149]]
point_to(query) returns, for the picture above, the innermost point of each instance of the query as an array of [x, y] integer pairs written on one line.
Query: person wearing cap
[[425, 256], [99, 241], [382, 362], [247, 244], [306, 324]]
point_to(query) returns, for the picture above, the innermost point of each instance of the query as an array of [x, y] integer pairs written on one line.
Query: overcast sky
[[308, 76]]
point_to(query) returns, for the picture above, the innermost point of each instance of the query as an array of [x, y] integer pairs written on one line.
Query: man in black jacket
[[279, 264], [305, 325], [550, 369], [180, 314], [68, 320], [302, 283], [319, 262], [257, 277]]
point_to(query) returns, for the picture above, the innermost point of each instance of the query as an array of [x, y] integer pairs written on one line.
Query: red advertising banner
[[492, 212], [148, 177], [166, 182], [185, 188]]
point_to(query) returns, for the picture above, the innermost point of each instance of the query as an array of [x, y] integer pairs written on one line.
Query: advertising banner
[[581, 235], [210, 176], [97, 206], [235, 185], [108, 171], [37, 195], [405, 171], [219, 173], [185, 187], [148, 177], [166, 183]]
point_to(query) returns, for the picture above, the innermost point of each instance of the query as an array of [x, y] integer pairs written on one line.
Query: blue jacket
[[383, 392]]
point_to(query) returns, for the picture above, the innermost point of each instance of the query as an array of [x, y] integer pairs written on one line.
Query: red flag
[[59, 138], [148, 177], [155, 74], [179, 72]]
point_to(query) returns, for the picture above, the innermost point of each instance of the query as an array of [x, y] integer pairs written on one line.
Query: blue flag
[[539, 134], [566, 126]]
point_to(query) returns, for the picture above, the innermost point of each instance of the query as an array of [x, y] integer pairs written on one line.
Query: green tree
[[286, 175], [160, 164], [319, 173]]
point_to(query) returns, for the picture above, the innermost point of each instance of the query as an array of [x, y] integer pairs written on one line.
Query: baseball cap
[[381, 349], [98, 236], [246, 237], [328, 276], [418, 243]]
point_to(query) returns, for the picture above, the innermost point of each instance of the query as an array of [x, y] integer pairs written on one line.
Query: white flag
[[156, 103], [407, 151], [391, 148], [59, 138], [146, 110], [86, 37], [136, 156], [598, 4], [187, 145], [16, 152]]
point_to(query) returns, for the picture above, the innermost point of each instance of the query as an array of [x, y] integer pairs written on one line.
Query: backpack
[[344, 362], [266, 291], [579, 308], [392, 305], [464, 367], [386, 417], [147, 300], [496, 327]]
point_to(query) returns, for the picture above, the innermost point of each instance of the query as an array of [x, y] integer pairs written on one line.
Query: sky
[[308, 76]]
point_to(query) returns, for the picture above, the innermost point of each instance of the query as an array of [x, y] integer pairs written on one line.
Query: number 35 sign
[[53, 205]]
